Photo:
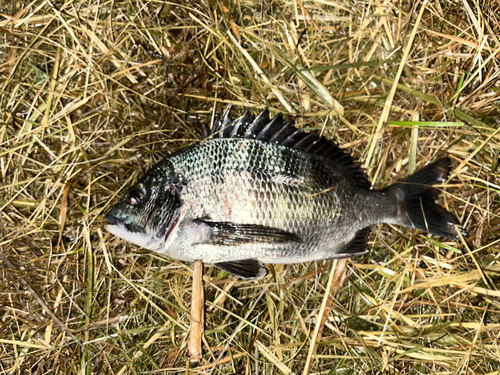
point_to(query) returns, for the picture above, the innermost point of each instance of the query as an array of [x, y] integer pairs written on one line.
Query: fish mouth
[[114, 225], [172, 227], [111, 223], [111, 220]]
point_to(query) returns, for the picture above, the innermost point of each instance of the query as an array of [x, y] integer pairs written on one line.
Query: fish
[[258, 190]]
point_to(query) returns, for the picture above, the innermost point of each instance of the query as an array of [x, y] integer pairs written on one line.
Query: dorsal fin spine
[[288, 141], [257, 124], [300, 142], [283, 133], [263, 134]]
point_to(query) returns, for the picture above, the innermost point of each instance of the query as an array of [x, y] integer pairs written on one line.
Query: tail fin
[[416, 196]]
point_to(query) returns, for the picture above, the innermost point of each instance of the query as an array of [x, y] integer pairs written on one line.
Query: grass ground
[[93, 93]]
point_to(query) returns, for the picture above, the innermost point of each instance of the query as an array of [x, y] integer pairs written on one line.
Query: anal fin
[[245, 269], [357, 246]]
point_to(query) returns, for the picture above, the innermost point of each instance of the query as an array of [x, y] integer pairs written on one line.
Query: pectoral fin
[[246, 269], [230, 234]]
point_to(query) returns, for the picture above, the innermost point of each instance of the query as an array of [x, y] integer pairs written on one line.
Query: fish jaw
[[144, 240]]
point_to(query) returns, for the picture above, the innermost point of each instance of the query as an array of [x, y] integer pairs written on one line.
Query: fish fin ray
[[277, 130], [292, 139], [415, 197], [304, 143], [221, 126], [241, 125], [245, 269], [230, 234], [272, 127], [357, 246], [257, 125], [282, 134]]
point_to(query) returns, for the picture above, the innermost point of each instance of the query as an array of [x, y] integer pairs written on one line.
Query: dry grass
[[94, 93]]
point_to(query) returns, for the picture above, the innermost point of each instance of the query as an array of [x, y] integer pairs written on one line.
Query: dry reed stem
[[197, 314]]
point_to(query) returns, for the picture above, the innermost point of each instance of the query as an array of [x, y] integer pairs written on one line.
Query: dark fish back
[[278, 131]]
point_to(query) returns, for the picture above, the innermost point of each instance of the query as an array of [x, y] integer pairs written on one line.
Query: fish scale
[[257, 190], [274, 181]]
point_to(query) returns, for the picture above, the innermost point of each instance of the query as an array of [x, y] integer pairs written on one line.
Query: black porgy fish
[[258, 190]]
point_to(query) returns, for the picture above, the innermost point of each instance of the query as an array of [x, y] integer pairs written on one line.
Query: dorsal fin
[[278, 131]]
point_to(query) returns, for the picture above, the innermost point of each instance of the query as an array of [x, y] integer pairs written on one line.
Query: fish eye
[[135, 197]]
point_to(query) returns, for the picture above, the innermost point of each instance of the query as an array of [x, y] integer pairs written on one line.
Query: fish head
[[149, 210]]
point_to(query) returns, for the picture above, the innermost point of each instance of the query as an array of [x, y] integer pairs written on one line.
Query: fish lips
[[112, 220]]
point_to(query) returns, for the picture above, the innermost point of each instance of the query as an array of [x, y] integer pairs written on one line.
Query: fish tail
[[415, 201]]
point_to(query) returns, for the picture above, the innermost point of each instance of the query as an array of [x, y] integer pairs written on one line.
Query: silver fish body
[[248, 195]]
